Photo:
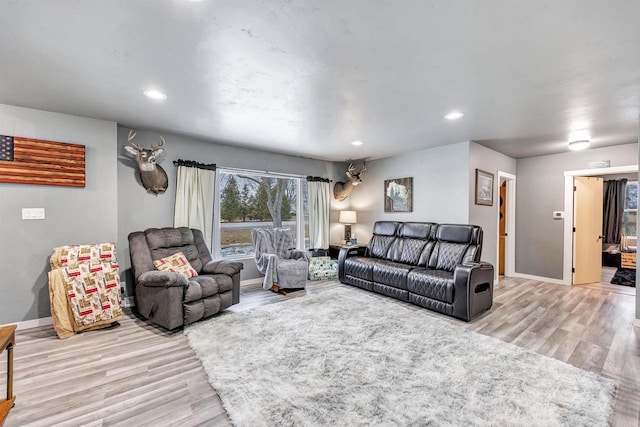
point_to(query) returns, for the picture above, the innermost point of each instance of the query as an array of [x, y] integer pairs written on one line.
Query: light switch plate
[[33, 213]]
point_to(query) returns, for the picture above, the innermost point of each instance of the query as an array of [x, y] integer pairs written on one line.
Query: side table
[[334, 249], [7, 342]]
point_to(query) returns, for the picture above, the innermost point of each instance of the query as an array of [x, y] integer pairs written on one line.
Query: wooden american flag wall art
[[35, 161]]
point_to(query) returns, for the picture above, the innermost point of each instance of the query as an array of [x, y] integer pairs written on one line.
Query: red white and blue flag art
[[35, 161]]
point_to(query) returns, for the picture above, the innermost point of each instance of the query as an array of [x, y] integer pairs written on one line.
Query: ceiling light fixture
[[155, 94], [357, 143], [579, 145], [454, 115]]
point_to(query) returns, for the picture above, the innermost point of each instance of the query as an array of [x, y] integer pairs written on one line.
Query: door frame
[[510, 227], [567, 275]]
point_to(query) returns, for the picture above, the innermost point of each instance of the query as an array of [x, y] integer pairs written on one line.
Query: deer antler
[[351, 168], [162, 141], [130, 140]]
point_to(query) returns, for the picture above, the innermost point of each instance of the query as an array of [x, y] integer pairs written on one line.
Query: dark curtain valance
[[613, 208], [194, 164], [317, 179]]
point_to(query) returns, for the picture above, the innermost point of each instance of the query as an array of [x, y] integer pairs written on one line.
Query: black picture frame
[[484, 188], [398, 195]]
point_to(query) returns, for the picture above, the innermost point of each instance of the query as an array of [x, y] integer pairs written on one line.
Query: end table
[[7, 342]]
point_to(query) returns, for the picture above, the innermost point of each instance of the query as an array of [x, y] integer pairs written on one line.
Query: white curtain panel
[[319, 202], [194, 200]]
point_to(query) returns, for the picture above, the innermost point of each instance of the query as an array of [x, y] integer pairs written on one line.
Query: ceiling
[[308, 77]]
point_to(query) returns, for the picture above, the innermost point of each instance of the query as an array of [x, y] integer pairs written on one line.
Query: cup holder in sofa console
[[481, 288]]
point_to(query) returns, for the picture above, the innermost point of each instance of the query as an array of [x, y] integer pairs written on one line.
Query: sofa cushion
[[176, 263], [408, 250], [447, 255], [207, 283], [380, 246], [164, 242], [360, 267], [435, 284], [224, 281], [418, 230], [391, 273]]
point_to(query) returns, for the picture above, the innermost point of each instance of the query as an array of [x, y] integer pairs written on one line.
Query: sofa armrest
[[165, 279], [222, 267], [347, 253], [473, 289]]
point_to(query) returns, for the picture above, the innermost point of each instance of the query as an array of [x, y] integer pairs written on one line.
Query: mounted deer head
[[341, 190], [153, 177]]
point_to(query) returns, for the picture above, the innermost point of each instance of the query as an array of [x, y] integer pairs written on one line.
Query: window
[[630, 215], [249, 200]]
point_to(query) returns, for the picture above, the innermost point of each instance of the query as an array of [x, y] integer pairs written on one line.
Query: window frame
[[624, 210], [300, 223]]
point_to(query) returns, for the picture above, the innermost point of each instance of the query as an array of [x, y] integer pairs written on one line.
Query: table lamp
[[347, 218]]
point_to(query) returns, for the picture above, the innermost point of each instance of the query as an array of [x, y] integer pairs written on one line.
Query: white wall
[[481, 157], [440, 188], [539, 237], [73, 215]]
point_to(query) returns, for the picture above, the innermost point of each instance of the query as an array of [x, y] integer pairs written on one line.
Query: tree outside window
[[249, 201]]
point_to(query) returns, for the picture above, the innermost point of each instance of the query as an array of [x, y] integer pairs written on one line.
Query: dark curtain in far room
[[613, 208]]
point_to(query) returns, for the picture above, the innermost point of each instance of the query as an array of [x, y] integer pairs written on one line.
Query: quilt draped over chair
[[279, 261], [84, 288]]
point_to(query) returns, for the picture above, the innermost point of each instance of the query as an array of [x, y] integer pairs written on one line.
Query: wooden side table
[[334, 249], [7, 342]]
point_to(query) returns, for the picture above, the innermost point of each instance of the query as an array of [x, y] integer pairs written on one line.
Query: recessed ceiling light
[[454, 115], [154, 94], [357, 143], [579, 145]]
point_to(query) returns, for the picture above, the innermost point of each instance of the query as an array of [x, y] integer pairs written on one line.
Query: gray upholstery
[[171, 299], [279, 261], [435, 266]]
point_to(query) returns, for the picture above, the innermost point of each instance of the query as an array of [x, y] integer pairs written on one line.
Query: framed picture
[[398, 195], [484, 188]]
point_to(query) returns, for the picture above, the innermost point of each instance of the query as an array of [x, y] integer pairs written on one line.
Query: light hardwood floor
[[137, 374]]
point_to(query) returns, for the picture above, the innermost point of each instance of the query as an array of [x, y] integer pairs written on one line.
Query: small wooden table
[[7, 342], [334, 249]]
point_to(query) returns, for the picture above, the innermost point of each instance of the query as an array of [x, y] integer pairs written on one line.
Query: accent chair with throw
[[284, 267], [176, 280]]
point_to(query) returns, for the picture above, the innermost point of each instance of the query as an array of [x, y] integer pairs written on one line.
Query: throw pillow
[[176, 263]]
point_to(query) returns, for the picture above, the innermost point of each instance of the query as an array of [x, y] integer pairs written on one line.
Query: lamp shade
[[348, 217]]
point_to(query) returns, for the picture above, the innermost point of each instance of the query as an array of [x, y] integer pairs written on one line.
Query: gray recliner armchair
[[171, 299], [283, 266]]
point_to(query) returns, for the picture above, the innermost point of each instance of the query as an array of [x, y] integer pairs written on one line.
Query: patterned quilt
[[84, 288]]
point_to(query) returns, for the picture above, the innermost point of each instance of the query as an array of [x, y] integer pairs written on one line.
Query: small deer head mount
[[341, 190], [153, 177]]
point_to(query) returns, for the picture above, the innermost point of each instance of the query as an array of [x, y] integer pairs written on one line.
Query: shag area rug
[[346, 357], [624, 277]]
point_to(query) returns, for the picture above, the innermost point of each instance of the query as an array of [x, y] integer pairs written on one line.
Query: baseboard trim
[[251, 281], [541, 279], [34, 323]]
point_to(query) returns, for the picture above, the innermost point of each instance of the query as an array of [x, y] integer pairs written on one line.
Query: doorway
[[506, 225], [570, 217]]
